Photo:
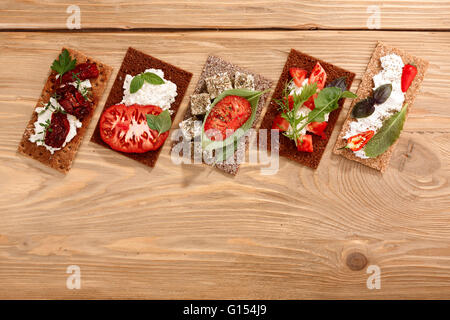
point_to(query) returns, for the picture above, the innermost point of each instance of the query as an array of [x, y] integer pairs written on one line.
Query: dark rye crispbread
[[62, 159], [213, 66], [365, 89], [136, 62], [287, 146]]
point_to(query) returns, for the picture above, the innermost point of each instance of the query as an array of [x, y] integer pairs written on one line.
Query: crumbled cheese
[[162, 95], [301, 112], [392, 73], [83, 87], [297, 90], [45, 114]]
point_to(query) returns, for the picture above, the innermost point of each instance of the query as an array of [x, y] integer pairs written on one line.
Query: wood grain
[[231, 14], [192, 232]]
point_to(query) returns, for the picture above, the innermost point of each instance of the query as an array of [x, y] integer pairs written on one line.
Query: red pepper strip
[[357, 142]]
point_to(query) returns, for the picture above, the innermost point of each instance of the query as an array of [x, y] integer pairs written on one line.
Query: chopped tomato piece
[[317, 128], [298, 75], [280, 123], [310, 102], [304, 143], [319, 76]]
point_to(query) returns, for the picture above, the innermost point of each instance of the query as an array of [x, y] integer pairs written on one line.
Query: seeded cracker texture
[[62, 159], [365, 89], [287, 146], [136, 62], [214, 66]]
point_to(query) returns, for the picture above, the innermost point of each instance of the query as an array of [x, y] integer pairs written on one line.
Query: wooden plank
[[192, 232], [232, 14], [350, 50]]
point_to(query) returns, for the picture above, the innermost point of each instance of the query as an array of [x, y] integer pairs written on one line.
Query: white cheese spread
[[44, 115], [162, 95], [392, 73]]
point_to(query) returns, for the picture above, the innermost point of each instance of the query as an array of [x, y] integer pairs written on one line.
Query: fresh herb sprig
[[149, 77], [64, 63], [85, 92], [291, 115]]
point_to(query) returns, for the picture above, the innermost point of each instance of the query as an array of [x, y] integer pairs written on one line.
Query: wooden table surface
[[192, 232]]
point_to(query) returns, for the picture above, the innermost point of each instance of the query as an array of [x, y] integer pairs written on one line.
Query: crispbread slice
[[136, 62], [287, 147], [365, 89], [62, 159], [213, 66]]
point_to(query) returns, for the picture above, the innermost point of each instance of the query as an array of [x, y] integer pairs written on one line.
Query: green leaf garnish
[[161, 122], [149, 77], [326, 102], [387, 135], [152, 78], [64, 63], [136, 84]]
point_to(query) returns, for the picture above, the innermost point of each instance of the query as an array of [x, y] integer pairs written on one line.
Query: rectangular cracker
[[136, 62], [365, 89], [287, 146], [62, 159], [213, 66]]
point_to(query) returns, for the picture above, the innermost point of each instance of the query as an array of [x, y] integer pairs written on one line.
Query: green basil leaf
[[387, 135], [152, 78], [136, 83], [161, 122]]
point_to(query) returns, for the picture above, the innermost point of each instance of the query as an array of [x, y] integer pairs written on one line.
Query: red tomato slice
[[228, 115], [319, 76], [298, 75], [125, 128], [280, 123], [304, 143], [317, 128], [310, 102]]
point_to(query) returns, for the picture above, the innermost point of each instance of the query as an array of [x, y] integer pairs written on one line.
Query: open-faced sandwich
[[385, 95], [64, 110], [141, 106], [305, 106], [226, 103]]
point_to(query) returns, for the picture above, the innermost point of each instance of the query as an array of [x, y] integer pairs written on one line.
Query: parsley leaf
[[64, 63]]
